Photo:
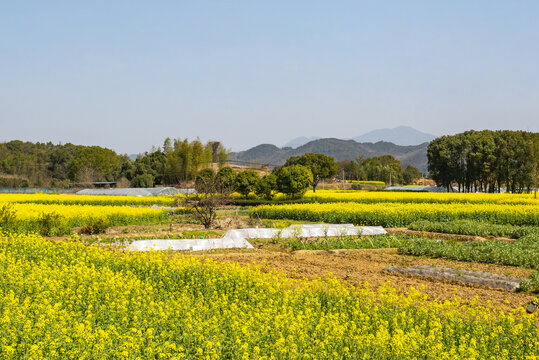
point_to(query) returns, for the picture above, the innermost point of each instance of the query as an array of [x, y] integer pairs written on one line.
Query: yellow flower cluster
[[52, 219], [69, 212], [421, 197], [71, 199], [68, 301], [401, 213]]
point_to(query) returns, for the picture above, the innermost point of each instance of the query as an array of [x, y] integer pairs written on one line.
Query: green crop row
[[349, 242], [531, 284], [523, 252], [467, 227]]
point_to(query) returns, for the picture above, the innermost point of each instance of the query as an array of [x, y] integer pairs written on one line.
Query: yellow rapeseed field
[[71, 212], [53, 219], [401, 213], [71, 199], [420, 197], [68, 301]]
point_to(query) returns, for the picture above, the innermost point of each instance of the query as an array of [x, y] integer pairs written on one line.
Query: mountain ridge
[[400, 135], [415, 155]]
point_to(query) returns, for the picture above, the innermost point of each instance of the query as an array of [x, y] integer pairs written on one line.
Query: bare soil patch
[[358, 267]]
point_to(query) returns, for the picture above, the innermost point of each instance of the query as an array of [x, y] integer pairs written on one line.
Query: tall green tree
[[320, 165], [410, 174], [294, 180], [266, 186], [350, 169], [226, 179]]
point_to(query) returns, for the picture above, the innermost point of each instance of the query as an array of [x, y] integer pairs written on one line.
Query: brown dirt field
[[359, 266]]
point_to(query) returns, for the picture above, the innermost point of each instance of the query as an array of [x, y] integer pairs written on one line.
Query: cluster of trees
[[292, 179], [178, 161], [24, 164], [46, 164], [485, 160], [384, 168]]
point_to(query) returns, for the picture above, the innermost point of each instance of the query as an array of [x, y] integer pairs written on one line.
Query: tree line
[[485, 161], [384, 168], [27, 164]]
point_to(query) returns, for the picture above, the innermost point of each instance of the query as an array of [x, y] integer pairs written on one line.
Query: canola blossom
[[71, 199], [60, 219], [68, 301], [391, 214], [70, 212], [420, 197]]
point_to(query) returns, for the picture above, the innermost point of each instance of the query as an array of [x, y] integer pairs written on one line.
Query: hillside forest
[[26, 164]]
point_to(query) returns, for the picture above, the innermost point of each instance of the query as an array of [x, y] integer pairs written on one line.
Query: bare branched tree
[[212, 192]]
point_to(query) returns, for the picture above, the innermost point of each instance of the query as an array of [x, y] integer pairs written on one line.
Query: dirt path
[[360, 266]]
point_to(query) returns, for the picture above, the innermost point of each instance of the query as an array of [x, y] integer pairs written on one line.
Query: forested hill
[[340, 149], [26, 164], [46, 164]]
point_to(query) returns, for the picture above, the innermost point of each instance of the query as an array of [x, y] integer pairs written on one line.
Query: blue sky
[[127, 74]]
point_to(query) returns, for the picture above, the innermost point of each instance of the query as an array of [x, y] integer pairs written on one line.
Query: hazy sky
[[127, 74]]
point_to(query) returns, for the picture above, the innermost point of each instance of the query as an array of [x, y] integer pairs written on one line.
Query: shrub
[[50, 224], [95, 226], [143, 181], [7, 216]]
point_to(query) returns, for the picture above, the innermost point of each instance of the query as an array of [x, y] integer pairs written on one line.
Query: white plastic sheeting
[[313, 230], [157, 191], [189, 244], [238, 238]]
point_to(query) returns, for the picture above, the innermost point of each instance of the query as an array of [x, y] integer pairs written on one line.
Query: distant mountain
[[402, 135], [302, 140], [340, 149]]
